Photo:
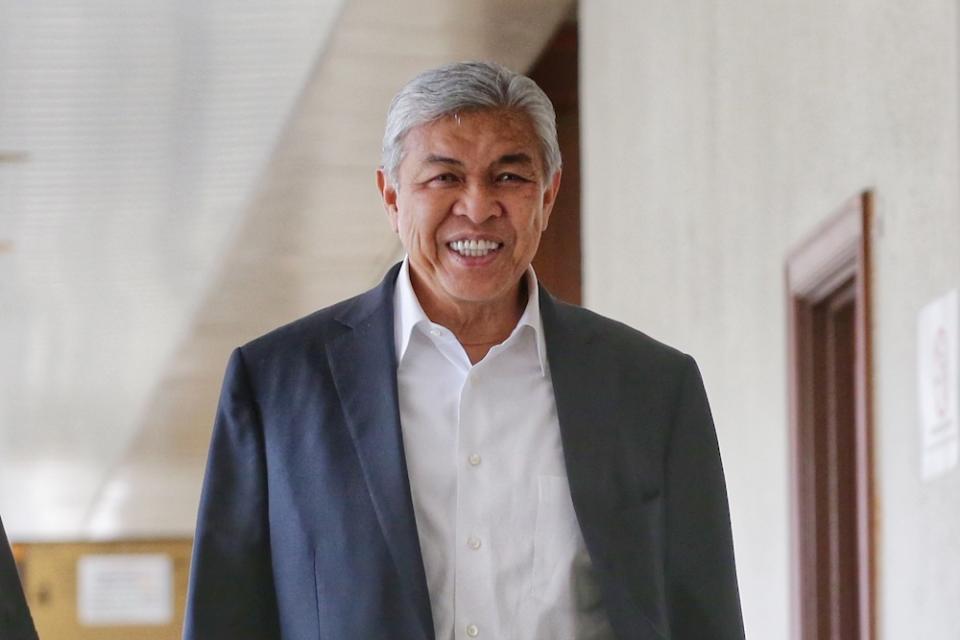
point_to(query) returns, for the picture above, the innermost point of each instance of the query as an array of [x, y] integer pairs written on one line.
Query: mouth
[[474, 248]]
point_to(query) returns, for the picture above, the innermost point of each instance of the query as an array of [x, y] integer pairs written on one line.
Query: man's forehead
[[506, 135]]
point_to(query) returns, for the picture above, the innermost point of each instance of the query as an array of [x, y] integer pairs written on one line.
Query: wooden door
[[558, 260]]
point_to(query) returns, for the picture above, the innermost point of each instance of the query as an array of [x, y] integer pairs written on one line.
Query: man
[[455, 454], [15, 620]]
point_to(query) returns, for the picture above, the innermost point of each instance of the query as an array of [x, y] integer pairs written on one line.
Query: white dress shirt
[[503, 554]]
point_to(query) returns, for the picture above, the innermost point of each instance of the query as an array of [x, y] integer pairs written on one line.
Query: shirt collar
[[408, 314], [407, 310]]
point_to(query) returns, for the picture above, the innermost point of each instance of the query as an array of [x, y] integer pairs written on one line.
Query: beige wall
[[49, 572], [716, 135]]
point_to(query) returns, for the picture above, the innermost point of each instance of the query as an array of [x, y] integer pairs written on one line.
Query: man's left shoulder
[[617, 339]]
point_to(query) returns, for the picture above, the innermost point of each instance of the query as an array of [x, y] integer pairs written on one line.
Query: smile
[[474, 248]]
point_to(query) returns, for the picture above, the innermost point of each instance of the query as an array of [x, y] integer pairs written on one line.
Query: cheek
[[531, 226], [418, 235], [424, 214]]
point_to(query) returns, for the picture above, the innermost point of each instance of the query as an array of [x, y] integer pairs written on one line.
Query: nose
[[478, 202]]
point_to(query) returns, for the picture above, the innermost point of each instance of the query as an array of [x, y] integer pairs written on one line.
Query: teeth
[[474, 248]]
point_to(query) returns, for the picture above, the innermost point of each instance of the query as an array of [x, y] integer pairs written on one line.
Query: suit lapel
[[585, 388], [363, 363], [584, 396]]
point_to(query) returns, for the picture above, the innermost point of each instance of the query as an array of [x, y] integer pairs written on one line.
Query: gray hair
[[468, 86]]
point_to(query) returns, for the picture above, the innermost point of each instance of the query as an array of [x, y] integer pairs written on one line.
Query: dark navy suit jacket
[[15, 620], [306, 528]]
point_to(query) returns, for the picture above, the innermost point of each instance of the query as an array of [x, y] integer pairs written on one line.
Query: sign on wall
[[125, 589], [937, 391]]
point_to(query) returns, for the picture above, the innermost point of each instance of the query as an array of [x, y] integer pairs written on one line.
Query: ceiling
[[175, 179]]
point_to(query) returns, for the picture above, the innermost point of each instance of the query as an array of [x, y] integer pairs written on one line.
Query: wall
[[141, 128], [715, 137]]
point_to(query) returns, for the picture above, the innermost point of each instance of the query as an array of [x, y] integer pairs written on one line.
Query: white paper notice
[[120, 589], [937, 355]]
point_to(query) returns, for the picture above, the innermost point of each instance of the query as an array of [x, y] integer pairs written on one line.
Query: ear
[[550, 197], [388, 193]]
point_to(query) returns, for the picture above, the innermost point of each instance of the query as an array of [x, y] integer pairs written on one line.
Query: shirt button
[[473, 542], [474, 459], [436, 332], [472, 630]]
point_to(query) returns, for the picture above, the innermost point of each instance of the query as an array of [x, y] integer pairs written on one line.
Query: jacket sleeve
[[15, 620], [231, 593], [701, 580]]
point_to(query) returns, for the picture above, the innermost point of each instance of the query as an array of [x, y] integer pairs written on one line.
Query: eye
[[444, 178], [510, 177]]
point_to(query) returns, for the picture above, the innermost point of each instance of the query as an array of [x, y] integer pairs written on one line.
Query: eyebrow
[[510, 158], [515, 158], [435, 159]]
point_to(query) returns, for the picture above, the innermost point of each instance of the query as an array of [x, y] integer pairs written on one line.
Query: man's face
[[470, 205]]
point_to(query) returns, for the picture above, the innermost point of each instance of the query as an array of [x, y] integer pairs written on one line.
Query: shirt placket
[[475, 611]]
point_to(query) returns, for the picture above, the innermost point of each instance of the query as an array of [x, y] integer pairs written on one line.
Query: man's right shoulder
[[317, 327], [315, 332]]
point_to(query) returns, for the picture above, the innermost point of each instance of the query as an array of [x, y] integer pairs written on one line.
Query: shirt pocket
[[556, 539]]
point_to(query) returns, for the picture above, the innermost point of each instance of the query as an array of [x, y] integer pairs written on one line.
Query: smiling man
[[455, 454], [475, 196]]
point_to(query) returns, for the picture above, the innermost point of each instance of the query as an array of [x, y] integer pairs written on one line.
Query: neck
[[477, 326]]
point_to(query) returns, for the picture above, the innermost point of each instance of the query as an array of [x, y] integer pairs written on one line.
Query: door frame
[[837, 252]]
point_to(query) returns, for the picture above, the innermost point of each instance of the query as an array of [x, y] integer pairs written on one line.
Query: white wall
[[717, 135]]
